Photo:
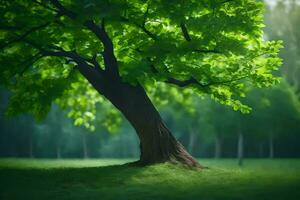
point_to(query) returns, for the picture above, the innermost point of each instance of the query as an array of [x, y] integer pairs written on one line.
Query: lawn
[[109, 179]]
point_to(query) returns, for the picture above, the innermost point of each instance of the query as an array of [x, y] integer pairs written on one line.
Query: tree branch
[[24, 35], [145, 15], [59, 52], [45, 6], [185, 32], [92, 74], [188, 38], [226, 1], [194, 81], [8, 27], [110, 61], [62, 10], [29, 62], [95, 63], [184, 83], [207, 51], [142, 27]]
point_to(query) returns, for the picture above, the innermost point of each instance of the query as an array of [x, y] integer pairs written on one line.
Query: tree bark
[[218, 147], [157, 144]]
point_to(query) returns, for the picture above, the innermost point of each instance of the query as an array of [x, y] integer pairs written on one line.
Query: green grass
[[105, 179]]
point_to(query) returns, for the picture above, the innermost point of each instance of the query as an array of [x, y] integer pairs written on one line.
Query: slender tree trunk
[[261, 150], [240, 149], [84, 146], [31, 154], [271, 146], [191, 140], [58, 151], [218, 147]]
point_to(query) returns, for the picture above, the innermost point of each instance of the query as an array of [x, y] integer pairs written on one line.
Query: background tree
[[286, 28], [276, 113], [211, 47]]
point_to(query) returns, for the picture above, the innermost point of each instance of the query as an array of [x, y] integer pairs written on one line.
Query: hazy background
[[211, 130]]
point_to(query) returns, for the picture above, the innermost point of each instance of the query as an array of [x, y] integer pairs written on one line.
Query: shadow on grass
[[153, 182]]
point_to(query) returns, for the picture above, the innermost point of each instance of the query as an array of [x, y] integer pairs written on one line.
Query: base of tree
[[140, 163], [158, 145]]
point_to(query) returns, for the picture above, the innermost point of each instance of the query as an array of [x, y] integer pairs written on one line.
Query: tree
[[223, 122], [121, 47], [286, 28], [278, 116]]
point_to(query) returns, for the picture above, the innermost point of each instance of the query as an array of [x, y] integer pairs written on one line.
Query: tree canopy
[[213, 47]]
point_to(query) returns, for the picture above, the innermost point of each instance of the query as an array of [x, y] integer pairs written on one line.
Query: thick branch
[[110, 60], [59, 52], [93, 75]]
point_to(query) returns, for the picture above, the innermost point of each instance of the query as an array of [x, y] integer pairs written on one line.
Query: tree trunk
[[31, 155], [157, 144], [240, 149], [261, 150], [271, 146], [84, 146], [191, 140], [58, 151], [218, 147]]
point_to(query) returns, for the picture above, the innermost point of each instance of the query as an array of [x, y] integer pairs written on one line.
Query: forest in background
[[206, 130]]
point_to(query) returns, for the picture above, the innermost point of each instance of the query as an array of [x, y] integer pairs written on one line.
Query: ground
[[108, 179]]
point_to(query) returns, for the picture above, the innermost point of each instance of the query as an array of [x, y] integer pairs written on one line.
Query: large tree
[[210, 47]]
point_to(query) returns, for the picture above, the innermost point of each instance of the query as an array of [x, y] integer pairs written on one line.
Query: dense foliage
[[212, 47]]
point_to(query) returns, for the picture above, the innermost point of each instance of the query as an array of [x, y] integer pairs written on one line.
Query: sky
[[273, 2]]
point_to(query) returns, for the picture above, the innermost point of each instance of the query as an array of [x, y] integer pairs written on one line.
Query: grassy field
[[109, 179]]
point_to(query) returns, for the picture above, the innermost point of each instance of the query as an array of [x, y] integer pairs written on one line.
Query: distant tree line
[[208, 130]]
